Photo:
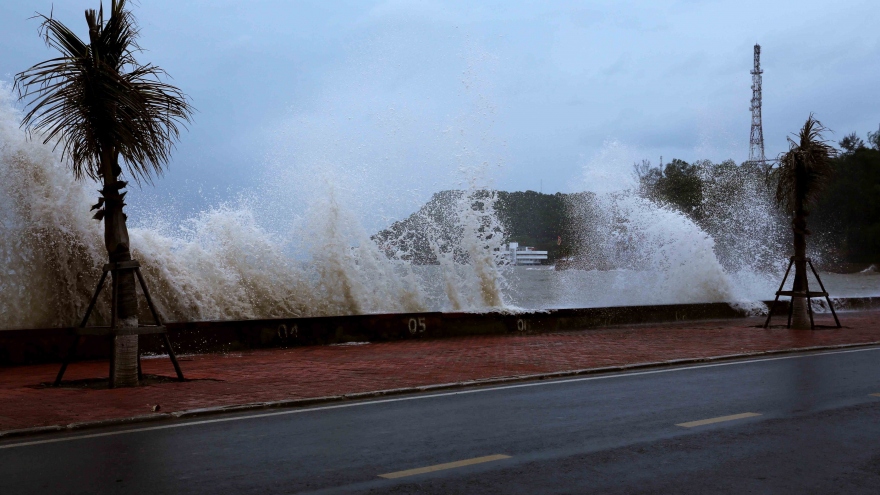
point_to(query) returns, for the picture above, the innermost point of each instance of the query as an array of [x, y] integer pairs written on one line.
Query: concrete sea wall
[[50, 345]]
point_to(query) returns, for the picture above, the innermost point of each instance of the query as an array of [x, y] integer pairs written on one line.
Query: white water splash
[[220, 264], [224, 264], [635, 252]]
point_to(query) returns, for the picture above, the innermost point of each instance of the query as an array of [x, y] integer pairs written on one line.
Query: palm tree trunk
[[125, 348], [800, 318]]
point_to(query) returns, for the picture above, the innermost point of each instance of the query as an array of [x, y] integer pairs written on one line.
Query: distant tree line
[[535, 219], [729, 201], [845, 221], [849, 211], [530, 218]]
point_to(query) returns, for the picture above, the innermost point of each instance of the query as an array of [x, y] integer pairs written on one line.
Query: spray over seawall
[[50, 250], [220, 264], [632, 250], [322, 259]]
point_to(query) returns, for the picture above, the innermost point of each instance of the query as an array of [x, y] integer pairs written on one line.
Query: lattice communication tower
[[756, 141]]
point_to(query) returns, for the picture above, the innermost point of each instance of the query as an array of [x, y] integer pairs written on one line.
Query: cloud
[[436, 85]]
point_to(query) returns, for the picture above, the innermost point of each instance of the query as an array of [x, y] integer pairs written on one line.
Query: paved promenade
[[320, 371]]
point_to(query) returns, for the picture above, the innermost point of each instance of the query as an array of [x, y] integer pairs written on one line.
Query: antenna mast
[[756, 140]]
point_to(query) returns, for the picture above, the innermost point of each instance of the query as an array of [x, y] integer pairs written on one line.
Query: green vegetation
[[845, 219], [530, 218], [845, 216], [678, 184], [849, 211], [535, 219]]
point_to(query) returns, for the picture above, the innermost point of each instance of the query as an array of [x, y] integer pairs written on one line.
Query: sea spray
[[50, 249], [467, 243], [483, 240], [633, 252], [752, 236], [354, 274], [222, 263], [738, 210]]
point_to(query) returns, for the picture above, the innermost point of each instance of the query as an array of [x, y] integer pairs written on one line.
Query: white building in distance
[[525, 255]]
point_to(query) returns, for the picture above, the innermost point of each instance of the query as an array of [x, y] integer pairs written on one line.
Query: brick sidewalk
[[280, 374]]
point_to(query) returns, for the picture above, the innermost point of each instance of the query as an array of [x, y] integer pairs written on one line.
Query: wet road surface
[[789, 424]]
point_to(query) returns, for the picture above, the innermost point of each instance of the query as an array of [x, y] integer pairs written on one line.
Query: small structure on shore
[[525, 255]]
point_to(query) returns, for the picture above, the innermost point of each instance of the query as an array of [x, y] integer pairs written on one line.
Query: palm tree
[[99, 105], [802, 174]]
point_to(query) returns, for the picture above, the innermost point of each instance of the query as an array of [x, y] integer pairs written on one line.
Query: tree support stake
[[804, 295], [113, 331]]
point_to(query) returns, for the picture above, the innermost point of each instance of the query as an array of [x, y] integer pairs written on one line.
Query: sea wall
[[50, 345]]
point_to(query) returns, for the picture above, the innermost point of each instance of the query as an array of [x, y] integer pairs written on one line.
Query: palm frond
[[805, 169], [96, 98]]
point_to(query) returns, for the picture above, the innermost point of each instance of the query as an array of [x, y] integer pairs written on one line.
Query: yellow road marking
[[448, 465], [691, 424], [874, 395]]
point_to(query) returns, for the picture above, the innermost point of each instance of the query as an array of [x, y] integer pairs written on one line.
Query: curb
[[293, 403]]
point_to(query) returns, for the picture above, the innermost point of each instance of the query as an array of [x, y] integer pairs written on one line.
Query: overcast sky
[[401, 96]]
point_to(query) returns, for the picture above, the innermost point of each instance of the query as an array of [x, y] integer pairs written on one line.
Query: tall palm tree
[[802, 174], [99, 105]]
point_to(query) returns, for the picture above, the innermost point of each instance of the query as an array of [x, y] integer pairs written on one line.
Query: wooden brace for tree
[[805, 294], [112, 331]]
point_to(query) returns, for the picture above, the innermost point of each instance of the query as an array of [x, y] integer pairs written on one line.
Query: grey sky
[[398, 96]]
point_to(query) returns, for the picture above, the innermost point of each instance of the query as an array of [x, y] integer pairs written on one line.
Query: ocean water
[[545, 288]]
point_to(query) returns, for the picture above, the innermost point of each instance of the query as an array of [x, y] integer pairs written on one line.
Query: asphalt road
[[813, 427]]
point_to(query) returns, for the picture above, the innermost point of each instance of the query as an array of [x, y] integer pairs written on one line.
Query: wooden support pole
[[806, 294], [112, 331]]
